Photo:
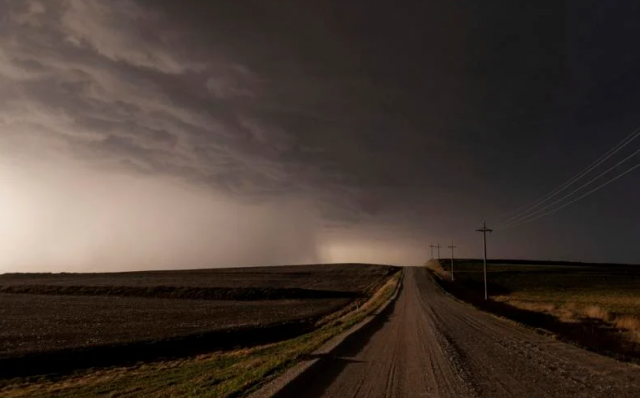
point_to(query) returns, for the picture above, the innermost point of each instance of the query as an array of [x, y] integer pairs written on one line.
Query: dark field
[[98, 319], [335, 277], [262, 283], [60, 322], [594, 305]]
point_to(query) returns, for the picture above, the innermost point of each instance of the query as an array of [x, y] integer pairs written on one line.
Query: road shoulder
[[308, 365]]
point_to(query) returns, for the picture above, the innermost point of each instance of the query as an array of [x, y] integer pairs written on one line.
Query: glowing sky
[[164, 134]]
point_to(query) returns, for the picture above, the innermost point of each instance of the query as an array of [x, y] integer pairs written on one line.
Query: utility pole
[[431, 247], [452, 247], [484, 231], [438, 247]]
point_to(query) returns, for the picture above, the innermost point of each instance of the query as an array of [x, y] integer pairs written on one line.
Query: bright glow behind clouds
[[68, 218]]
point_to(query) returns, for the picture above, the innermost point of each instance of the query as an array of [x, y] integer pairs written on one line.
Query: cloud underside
[[116, 85]]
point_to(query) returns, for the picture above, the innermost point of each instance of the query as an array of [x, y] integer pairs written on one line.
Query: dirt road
[[429, 345]]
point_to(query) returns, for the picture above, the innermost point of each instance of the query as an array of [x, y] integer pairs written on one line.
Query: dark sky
[[370, 128]]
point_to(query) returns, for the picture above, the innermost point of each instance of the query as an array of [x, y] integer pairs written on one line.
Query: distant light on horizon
[[68, 218]]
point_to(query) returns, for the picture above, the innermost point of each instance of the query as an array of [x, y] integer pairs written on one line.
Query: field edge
[[225, 374]]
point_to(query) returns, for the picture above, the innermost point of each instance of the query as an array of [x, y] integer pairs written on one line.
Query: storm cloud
[[121, 152], [158, 134]]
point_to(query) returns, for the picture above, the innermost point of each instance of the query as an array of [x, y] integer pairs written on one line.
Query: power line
[[528, 215], [574, 200], [523, 210]]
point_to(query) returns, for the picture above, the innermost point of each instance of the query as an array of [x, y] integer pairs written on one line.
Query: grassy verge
[[223, 374], [594, 306]]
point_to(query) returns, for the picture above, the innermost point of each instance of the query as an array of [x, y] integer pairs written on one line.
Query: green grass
[[223, 374]]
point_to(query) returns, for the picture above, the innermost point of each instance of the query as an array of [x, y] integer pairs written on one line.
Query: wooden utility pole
[[438, 247], [452, 247], [484, 231], [431, 247]]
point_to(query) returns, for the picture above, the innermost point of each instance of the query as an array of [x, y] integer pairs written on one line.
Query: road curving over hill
[[429, 345]]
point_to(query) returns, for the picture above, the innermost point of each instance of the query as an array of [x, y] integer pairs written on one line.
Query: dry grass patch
[[628, 323], [595, 312], [528, 305], [436, 267], [567, 312], [631, 325]]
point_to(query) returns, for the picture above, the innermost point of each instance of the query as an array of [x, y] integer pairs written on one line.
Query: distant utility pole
[[484, 231], [431, 247], [438, 247], [452, 247]]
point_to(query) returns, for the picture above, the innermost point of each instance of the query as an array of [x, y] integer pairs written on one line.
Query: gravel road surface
[[429, 345]]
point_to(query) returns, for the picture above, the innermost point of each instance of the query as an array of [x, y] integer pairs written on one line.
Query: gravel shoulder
[[429, 345]]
